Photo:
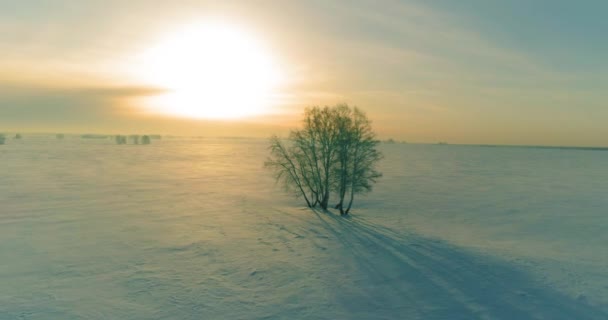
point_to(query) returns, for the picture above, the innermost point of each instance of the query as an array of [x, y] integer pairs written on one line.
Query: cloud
[[33, 105]]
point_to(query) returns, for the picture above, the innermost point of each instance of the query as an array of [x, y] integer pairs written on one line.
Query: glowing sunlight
[[211, 70]]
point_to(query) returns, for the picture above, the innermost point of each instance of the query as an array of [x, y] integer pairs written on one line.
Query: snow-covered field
[[197, 229]]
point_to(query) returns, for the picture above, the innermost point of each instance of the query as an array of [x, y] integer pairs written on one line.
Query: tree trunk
[[350, 203], [325, 201], [340, 206]]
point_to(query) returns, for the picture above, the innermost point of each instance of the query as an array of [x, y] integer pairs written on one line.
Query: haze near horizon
[[479, 72]]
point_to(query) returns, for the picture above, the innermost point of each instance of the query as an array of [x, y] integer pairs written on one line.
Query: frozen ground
[[196, 229]]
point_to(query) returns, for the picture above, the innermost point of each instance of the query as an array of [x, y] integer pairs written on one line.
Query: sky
[[470, 71]]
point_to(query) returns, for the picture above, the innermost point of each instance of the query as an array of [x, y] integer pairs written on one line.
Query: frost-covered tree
[[327, 156]]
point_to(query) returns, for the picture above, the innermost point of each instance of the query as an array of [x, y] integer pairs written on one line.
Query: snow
[[196, 228]]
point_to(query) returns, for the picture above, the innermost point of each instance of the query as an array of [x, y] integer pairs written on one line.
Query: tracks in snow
[[392, 275]]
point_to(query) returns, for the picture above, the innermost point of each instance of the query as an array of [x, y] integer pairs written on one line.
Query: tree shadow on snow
[[406, 276]]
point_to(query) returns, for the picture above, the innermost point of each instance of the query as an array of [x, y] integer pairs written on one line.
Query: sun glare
[[210, 71]]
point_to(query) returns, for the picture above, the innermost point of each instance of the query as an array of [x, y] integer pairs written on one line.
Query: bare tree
[[323, 136], [363, 157], [333, 152], [290, 168], [306, 165], [341, 169]]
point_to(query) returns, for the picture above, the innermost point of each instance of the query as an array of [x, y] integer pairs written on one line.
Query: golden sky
[[465, 72]]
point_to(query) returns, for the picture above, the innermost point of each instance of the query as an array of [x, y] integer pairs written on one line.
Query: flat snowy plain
[[197, 229]]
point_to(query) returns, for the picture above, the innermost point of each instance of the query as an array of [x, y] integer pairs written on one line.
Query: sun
[[210, 70]]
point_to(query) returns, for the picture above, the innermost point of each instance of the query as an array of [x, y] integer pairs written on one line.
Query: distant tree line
[[3, 137], [135, 139], [333, 154]]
